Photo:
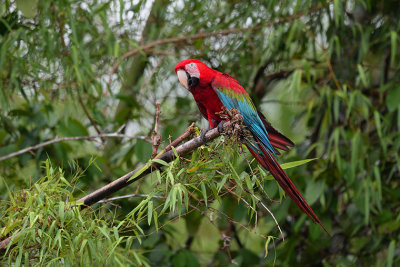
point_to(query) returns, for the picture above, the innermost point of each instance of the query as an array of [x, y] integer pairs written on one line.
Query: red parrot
[[212, 90]]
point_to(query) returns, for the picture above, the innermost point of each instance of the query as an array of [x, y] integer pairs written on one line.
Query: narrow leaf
[[293, 164]]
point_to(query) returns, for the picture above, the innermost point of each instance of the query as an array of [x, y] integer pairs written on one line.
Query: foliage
[[47, 230], [325, 73]]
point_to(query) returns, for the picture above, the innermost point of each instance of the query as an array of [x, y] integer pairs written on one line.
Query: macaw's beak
[[183, 78], [186, 80]]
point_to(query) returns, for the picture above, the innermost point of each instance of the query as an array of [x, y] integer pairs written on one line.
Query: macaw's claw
[[203, 133], [220, 127]]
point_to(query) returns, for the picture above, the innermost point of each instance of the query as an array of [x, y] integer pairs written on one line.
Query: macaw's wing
[[233, 95]]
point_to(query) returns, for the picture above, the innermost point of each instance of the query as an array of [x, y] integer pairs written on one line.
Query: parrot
[[212, 90]]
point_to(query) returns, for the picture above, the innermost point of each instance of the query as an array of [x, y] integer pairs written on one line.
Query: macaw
[[212, 90]]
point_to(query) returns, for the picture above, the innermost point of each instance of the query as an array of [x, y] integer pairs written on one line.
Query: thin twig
[[156, 139], [270, 212], [94, 124], [71, 138], [186, 134]]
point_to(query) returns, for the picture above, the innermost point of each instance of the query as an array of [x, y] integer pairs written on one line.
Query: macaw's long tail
[[269, 162]]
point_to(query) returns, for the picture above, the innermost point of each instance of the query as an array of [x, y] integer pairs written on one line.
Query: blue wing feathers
[[250, 119]]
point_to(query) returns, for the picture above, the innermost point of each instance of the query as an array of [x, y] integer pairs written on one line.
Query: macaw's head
[[193, 72]]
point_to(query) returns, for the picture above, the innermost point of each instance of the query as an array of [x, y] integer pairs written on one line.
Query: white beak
[[182, 77]]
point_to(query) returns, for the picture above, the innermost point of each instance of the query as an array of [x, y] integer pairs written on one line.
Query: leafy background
[[325, 73]]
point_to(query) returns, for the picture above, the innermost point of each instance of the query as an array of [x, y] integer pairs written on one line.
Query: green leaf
[[393, 47], [61, 213], [159, 161], [296, 81], [366, 202], [72, 128], [158, 174], [393, 99], [293, 164], [141, 170], [378, 123], [175, 152], [391, 253], [363, 76], [313, 191], [269, 238], [204, 192], [355, 147], [173, 193], [249, 184], [378, 185], [149, 212], [337, 10]]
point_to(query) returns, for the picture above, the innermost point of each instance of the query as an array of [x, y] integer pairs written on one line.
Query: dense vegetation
[[325, 73]]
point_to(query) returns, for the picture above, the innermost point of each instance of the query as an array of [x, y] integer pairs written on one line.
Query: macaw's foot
[[203, 135], [220, 127]]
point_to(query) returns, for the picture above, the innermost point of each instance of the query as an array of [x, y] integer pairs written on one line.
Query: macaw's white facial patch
[[193, 70], [182, 77]]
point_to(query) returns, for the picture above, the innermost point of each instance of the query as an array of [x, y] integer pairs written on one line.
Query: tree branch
[[4, 243], [71, 138]]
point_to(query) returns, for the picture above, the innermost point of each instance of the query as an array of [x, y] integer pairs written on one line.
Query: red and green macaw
[[212, 90]]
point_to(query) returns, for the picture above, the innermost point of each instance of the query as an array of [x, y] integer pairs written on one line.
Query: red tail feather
[[284, 181]]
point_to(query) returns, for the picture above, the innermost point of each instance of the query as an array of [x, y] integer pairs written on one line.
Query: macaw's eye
[[193, 81], [192, 65]]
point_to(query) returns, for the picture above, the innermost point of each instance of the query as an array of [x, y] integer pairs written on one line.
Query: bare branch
[[4, 243], [71, 138]]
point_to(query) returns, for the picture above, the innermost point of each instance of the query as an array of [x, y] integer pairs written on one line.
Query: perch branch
[[168, 156]]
